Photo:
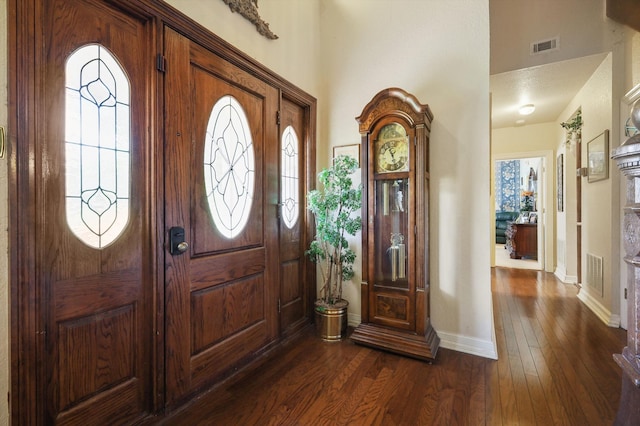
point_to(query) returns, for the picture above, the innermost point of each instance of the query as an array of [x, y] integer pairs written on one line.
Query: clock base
[[403, 343]]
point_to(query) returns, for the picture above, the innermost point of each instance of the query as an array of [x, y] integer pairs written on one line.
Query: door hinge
[[278, 118], [279, 307], [161, 63], [625, 294]]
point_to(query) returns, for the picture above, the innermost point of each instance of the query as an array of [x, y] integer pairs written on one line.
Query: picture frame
[[560, 181], [598, 157], [533, 217], [350, 150]]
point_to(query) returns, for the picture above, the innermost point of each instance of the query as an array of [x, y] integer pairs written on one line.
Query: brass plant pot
[[331, 322]]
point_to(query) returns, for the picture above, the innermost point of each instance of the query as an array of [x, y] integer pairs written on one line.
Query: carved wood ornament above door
[[249, 9]]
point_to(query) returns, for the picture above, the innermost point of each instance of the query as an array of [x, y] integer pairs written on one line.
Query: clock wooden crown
[[394, 101]]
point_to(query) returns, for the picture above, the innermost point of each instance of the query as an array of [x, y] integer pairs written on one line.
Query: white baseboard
[[597, 308], [561, 274], [469, 345], [353, 320]]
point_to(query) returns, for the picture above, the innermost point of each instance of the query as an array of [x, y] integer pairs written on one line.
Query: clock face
[[392, 149]]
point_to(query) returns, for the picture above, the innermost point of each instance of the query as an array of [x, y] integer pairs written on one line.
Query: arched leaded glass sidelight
[[229, 167], [290, 177], [97, 146]]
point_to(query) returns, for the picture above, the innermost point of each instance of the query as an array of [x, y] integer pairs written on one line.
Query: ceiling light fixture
[[526, 109]]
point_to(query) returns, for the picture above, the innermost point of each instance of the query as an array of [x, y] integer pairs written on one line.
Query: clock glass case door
[[392, 302], [391, 224]]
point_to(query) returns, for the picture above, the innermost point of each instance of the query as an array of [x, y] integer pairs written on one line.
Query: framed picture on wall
[[350, 150], [560, 179], [598, 157]]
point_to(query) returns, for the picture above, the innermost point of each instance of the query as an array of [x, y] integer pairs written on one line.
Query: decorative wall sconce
[[249, 9]]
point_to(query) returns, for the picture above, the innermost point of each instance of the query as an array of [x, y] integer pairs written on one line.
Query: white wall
[[600, 200], [423, 48]]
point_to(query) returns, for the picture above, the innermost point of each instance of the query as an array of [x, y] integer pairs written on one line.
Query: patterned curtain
[[508, 185]]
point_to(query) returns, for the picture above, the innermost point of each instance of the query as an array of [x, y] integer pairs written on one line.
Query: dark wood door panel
[[91, 371], [293, 297], [226, 267], [221, 300], [222, 311], [96, 303], [88, 295]]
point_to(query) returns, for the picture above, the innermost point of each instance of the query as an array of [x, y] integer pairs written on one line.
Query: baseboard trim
[[562, 276], [353, 320], [597, 308], [469, 345]]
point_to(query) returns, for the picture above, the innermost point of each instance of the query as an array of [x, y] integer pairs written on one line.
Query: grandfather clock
[[394, 129]]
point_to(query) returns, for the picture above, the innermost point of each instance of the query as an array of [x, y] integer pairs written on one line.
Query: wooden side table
[[522, 240]]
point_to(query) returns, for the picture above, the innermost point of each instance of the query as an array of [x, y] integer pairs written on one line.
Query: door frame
[[547, 218], [27, 336]]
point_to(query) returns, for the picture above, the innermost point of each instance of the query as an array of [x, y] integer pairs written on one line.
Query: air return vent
[[595, 275], [545, 46]]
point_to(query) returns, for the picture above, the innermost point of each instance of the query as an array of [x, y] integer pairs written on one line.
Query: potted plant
[[334, 208], [573, 128]]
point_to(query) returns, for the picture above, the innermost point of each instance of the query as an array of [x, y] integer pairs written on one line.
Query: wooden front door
[[294, 296], [93, 240], [221, 195]]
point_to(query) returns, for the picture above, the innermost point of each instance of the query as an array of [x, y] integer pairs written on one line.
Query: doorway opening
[[519, 207]]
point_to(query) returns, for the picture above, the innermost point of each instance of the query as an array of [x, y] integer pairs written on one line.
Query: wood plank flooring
[[555, 367]]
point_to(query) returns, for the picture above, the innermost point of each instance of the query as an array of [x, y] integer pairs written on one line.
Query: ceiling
[[549, 87], [552, 79]]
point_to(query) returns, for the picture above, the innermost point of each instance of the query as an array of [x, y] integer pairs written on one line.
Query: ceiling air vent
[[545, 46]]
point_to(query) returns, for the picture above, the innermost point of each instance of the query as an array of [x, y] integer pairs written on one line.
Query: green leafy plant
[[333, 208], [574, 125]]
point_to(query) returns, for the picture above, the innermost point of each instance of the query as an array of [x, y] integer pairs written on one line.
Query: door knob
[[177, 244]]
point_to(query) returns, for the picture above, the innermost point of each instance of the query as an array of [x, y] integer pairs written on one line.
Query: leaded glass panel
[[97, 146], [290, 177], [229, 167]]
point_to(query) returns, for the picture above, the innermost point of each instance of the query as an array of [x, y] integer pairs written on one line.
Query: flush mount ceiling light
[[526, 109]]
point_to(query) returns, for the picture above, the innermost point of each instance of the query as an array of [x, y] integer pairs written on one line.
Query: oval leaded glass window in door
[[97, 140], [229, 166]]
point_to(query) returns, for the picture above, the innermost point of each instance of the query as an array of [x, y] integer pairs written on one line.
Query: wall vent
[[594, 273], [545, 45]]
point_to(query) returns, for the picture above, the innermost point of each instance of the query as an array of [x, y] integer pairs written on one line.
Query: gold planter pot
[[331, 322]]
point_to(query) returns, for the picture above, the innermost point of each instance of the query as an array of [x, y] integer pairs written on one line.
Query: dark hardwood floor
[[555, 367]]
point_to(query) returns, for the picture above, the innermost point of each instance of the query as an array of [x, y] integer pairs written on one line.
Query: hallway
[[555, 367]]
